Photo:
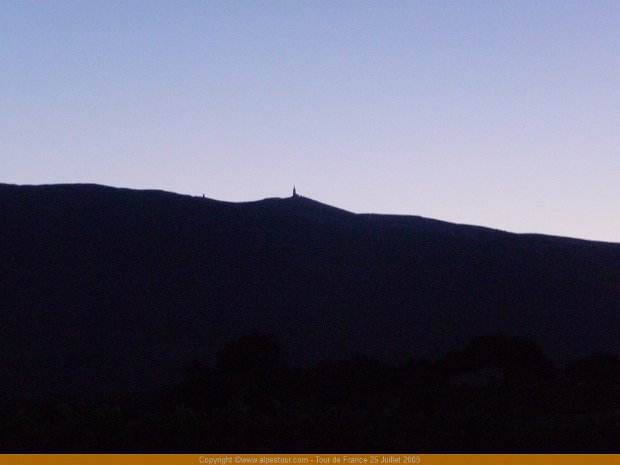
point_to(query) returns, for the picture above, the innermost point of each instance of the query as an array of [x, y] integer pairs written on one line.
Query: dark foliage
[[250, 401]]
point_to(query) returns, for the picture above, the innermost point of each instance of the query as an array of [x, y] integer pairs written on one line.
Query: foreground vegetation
[[496, 395]]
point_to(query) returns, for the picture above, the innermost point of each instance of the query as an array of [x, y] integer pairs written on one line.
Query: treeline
[[498, 394]]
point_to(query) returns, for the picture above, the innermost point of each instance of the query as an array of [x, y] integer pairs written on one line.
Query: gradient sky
[[503, 114]]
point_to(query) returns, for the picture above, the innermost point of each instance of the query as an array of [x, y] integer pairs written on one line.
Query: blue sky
[[503, 114]]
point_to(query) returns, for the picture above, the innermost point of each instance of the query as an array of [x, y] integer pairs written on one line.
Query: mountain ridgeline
[[117, 289]]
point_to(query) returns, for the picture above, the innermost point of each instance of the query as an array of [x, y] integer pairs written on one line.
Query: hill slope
[[106, 288]]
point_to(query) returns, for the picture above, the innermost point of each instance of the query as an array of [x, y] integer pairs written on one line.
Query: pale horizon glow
[[499, 114]]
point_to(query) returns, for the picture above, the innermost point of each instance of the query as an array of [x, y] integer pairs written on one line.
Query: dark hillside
[[105, 288]]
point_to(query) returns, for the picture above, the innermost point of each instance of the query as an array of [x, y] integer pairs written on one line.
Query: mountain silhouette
[[115, 289]]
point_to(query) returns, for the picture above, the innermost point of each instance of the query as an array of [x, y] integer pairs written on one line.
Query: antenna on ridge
[[295, 192]]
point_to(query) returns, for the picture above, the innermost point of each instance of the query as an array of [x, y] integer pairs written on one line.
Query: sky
[[503, 114]]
